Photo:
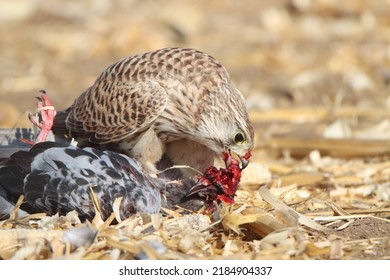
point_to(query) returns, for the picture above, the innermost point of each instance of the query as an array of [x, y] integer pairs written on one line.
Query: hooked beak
[[245, 159], [243, 154]]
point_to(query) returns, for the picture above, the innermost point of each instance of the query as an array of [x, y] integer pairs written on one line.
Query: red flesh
[[218, 185]]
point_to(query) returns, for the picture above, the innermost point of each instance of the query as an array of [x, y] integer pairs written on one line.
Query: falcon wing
[[112, 110]]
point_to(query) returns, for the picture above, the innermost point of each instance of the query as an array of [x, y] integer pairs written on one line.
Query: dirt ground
[[316, 76]]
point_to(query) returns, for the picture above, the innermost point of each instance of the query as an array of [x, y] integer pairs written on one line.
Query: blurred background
[[285, 53]]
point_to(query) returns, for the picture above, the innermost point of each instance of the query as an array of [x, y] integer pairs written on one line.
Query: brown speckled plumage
[[174, 101]]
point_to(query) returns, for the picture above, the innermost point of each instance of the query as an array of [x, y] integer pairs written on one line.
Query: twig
[[335, 218], [352, 211]]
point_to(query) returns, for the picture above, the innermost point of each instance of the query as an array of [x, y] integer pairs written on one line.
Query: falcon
[[174, 102]]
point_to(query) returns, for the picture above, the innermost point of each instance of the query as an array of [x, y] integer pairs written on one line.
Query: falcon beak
[[244, 162], [245, 159]]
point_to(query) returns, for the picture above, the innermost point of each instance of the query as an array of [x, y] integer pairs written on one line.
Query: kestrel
[[174, 102]]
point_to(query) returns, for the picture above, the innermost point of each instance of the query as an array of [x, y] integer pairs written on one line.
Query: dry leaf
[[289, 212], [233, 221]]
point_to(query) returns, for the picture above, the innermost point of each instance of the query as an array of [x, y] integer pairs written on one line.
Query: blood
[[217, 185]]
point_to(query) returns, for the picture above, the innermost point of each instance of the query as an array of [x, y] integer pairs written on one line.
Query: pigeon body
[[175, 102], [57, 179]]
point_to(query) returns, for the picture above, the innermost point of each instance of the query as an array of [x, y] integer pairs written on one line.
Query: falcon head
[[240, 142], [225, 126]]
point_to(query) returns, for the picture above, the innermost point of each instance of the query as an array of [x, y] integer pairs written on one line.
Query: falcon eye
[[239, 137]]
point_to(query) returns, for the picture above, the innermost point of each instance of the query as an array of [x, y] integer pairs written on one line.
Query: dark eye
[[239, 137]]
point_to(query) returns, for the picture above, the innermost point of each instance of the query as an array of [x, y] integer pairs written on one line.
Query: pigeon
[[55, 178]]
